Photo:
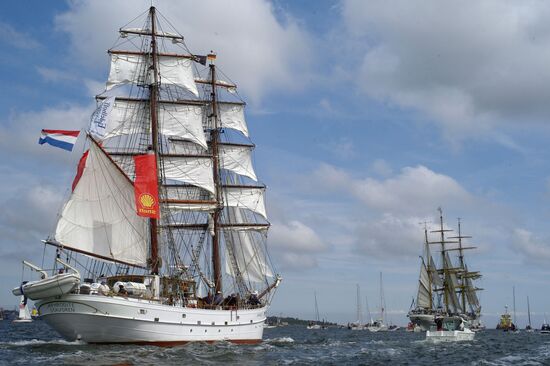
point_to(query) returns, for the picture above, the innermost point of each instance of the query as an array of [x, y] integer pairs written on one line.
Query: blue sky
[[367, 117]]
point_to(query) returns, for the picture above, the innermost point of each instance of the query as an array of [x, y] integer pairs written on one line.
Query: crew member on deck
[[218, 299], [103, 289]]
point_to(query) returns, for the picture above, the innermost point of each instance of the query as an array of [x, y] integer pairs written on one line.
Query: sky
[[367, 116]]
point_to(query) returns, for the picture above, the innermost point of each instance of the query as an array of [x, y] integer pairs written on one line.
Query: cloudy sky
[[367, 115]]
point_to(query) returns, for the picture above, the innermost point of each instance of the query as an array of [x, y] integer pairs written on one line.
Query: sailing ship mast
[[216, 266], [448, 290], [153, 96]]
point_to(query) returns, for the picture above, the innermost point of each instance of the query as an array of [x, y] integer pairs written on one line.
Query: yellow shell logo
[[147, 200]]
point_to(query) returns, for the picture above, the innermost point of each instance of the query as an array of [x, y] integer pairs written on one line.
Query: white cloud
[[13, 37], [390, 236], [256, 49], [21, 132], [415, 190], [531, 247], [296, 244], [467, 66], [342, 148], [381, 167]]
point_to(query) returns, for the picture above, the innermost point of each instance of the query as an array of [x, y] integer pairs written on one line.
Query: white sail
[[250, 198], [238, 160], [195, 171], [423, 298], [130, 68], [232, 116], [100, 218], [471, 293], [452, 285], [174, 120], [183, 121], [24, 313], [246, 253]]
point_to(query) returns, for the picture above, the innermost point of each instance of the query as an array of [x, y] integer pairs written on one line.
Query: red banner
[[146, 186], [80, 169]]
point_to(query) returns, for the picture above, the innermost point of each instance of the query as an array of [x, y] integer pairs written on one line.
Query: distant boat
[[506, 323], [450, 329], [317, 323], [528, 327], [380, 324], [545, 328], [24, 314], [358, 324]]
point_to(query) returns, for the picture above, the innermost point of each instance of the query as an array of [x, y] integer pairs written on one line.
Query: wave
[[280, 340], [35, 342]]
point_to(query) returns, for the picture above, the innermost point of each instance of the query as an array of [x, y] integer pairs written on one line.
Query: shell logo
[[147, 200]]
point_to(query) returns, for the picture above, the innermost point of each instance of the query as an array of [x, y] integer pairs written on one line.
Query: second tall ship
[[445, 287]]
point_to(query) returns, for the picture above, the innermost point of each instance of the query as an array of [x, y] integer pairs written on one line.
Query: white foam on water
[[34, 342], [280, 340]]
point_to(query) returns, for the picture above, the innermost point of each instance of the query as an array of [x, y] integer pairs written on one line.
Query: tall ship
[[445, 289], [163, 238]]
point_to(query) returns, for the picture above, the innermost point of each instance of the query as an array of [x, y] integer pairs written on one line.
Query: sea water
[[36, 344]]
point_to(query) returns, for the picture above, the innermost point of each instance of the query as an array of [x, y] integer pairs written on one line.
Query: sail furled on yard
[[133, 69], [100, 217]]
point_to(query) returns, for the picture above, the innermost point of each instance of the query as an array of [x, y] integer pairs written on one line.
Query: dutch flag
[[59, 138]]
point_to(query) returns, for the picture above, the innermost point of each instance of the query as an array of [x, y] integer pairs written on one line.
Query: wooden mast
[[153, 96], [216, 265], [428, 267], [462, 266], [445, 269]]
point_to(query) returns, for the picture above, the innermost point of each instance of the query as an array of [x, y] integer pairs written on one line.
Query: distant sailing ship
[[189, 263], [317, 323], [379, 325], [448, 290], [358, 324], [24, 316]]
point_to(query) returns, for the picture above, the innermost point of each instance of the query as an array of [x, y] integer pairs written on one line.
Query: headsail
[[100, 218]]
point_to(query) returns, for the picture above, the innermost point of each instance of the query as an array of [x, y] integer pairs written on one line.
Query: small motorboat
[[450, 329]]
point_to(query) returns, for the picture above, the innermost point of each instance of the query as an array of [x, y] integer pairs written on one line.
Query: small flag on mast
[[100, 118], [62, 139]]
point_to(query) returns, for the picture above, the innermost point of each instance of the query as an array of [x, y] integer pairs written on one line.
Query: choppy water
[[36, 344]]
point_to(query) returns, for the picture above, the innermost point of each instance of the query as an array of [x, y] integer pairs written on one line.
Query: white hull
[[22, 321], [424, 321], [103, 319], [375, 329], [316, 326], [450, 335], [52, 286]]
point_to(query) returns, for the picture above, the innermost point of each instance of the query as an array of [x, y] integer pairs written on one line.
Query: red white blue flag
[[59, 138]]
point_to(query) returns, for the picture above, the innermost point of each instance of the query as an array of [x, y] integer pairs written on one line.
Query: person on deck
[[253, 299], [122, 291], [103, 289], [218, 299]]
